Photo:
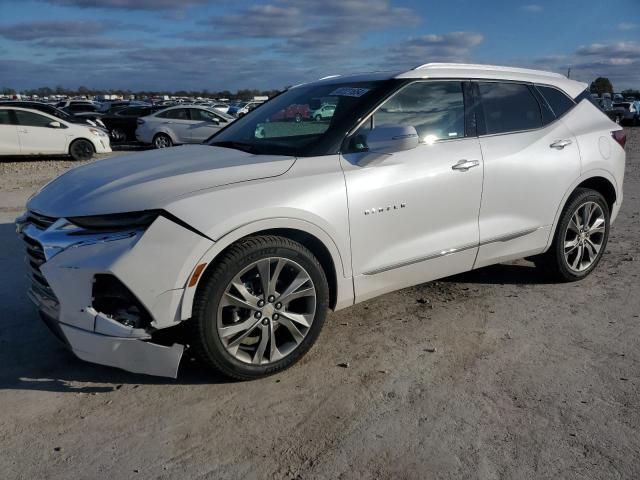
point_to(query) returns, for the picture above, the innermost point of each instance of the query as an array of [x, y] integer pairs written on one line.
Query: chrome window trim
[[400, 89]]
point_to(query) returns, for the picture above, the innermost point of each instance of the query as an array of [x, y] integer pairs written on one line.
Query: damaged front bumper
[[64, 265]]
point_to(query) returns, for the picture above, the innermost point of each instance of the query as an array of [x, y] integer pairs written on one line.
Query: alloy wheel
[[162, 141], [584, 236], [82, 150], [266, 311]]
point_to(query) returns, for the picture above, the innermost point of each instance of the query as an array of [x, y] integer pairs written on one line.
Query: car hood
[[150, 180]]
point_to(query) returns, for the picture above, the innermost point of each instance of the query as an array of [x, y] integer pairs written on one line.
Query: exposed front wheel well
[[602, 186]]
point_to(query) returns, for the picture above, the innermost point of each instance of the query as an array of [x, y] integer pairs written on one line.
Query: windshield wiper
[[244, 147]]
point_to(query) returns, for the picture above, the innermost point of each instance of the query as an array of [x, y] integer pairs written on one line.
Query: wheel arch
[[341, 293], [165, 131], [75, 140], [598, 180]]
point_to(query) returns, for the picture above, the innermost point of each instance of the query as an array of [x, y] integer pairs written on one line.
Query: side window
[[177, 114], [509, 107], [204, 116], [30, 119], [435, 109], [558, 101], [5, 117]]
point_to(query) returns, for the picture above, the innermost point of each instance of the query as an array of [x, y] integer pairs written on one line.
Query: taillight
[[140, 121], [620, 137]]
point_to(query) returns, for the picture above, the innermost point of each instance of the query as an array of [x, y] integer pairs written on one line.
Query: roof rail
[[328, 77], [497, 68]]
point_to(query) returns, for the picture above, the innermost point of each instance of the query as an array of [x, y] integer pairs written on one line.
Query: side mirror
[[215, 121], [392, 138], [54, 124]]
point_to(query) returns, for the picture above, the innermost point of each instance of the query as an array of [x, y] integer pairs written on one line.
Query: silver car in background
[[181, 124]]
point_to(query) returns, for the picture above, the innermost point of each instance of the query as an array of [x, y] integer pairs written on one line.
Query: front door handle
[[560, 144], [465, 165], [23, 130]]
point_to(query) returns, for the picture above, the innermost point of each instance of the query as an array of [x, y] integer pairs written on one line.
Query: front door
[[414, 214], [205, 124]]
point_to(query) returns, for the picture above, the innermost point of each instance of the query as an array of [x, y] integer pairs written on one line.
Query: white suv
[[249, 240]]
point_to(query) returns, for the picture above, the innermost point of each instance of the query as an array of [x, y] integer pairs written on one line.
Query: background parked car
[[325, 112], [292, 112], [32, 132], [56, 112], [178, 125], [241, 109], [627, 112], [123, 122]]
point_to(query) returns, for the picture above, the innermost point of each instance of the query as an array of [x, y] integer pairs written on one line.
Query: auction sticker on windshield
[[349, 92]]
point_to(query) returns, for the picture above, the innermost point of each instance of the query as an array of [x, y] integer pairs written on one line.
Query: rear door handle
[[23, 130], [560, 144], [465, 165]]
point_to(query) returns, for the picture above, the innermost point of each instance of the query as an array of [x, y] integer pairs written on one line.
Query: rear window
[[5, 117], [509, 107], [557, 100]]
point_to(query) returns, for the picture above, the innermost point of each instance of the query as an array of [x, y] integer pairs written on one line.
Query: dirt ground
[[492, 374]]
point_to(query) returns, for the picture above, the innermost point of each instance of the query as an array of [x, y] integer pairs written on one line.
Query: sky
[[235, 44]]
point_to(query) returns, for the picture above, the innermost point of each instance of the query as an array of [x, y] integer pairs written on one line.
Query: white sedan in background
[[181, 124], [31, 132]]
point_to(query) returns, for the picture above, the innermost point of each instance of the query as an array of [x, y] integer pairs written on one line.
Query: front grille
[[35, 258]]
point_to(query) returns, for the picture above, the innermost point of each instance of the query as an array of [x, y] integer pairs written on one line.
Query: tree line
[[603, 85], [85, 91]]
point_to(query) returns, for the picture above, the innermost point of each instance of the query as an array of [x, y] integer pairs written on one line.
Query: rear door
[[178, 121], [530, 160], [36, 136], [205, 124], [9, 142]]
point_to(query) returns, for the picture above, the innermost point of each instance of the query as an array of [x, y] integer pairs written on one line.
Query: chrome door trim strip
[[451, 251], [510, 236], [432, 256]]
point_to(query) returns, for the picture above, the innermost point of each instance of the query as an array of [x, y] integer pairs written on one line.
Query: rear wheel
[[162, 140], [260, 309], [81, 149], [581, 237]]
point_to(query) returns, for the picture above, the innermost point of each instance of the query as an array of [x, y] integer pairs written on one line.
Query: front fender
[[344, 282]]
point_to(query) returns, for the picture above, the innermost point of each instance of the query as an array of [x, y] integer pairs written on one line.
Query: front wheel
[[81, 149], [581, 237], [260, 308]]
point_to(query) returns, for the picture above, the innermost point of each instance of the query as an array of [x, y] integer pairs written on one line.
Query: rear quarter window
[[559, 102]]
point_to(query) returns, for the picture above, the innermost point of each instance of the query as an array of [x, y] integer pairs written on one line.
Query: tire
[[245, 351], [562, 259], [118, 135], [81, 150], [162, 140]]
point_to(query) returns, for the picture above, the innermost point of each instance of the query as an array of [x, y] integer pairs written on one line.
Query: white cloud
[[532, 8]]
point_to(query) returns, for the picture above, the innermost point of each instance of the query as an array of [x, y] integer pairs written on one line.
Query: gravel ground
[[491, 374]]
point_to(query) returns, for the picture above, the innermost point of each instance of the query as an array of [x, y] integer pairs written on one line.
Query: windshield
[[304, 121]]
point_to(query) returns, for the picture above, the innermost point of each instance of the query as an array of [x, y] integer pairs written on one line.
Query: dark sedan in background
[[122, 122]]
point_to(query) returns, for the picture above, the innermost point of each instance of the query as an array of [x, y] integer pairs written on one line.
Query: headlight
[[97, 132], [117, 221]]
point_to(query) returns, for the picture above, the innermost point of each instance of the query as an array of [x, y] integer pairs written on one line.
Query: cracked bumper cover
[[66, 306]]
